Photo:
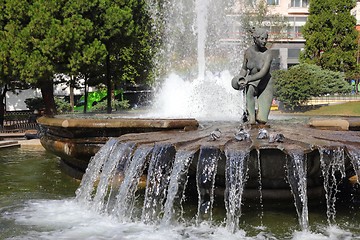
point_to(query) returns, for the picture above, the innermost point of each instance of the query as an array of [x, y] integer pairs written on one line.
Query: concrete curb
[[342, 124]]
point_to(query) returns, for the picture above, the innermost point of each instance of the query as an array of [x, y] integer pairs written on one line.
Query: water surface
[[37, 201]]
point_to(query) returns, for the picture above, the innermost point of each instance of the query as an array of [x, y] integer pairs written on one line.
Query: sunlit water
[[37, 201], [195, 66], [211, 98]]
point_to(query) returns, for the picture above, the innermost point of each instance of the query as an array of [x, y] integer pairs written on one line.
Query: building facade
[[287, 49], [287, 45]]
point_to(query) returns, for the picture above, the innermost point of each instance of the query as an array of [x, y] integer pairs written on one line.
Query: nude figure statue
[[255, 78]]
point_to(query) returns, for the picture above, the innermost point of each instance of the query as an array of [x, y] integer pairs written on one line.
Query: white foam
[[68, 219], [209, 99]]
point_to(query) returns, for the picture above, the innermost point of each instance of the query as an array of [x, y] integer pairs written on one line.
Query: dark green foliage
[[330, 35], [115, 104], [102, 41], [36, 103], [62, 105], [295, 86]]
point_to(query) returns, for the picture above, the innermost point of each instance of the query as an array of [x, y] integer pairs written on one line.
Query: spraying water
[[196, 66]]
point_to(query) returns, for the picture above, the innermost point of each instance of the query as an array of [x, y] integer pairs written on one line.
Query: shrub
[[62, 105], [36, 103], [295, 86], [115, 105]]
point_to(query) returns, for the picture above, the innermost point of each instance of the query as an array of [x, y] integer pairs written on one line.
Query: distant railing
[[19, 121], [331, 99]]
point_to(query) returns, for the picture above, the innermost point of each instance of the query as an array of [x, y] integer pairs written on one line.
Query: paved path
[[32, 143]]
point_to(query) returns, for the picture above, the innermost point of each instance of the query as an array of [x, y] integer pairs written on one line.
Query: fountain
[[175, 158]]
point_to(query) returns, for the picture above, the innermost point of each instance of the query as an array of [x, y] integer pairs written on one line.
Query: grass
[[344, 109]]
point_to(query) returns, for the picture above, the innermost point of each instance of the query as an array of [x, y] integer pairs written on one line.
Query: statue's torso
[[255, 60]]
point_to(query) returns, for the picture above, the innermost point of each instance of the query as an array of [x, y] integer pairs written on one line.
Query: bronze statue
[[255, 78]]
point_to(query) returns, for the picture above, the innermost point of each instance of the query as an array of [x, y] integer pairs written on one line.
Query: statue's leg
[[265, 101], [250, 104]]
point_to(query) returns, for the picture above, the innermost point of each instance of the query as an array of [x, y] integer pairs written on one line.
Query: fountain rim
[[118, 122]]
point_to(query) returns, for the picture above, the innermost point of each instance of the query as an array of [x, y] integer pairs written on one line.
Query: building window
[[273, 2], [295, 25], [293, 53], [251, 3], [299, 3]]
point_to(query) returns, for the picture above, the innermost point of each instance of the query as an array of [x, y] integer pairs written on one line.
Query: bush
[[62, 105], [295, 86], [115, 105], [38, 104], [35, 103]]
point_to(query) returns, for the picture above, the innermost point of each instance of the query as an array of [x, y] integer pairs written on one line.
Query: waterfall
[[157, 182], [236, 176], [296, 168], [205, 179], [332, 163], [123, 205], [84, 192], [177, 185], [113, 166], [260, 185]]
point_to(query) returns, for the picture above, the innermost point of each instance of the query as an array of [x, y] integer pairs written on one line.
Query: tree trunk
[[108, 84], [85, 94], [2, 105], [72, 102], [47, 91]]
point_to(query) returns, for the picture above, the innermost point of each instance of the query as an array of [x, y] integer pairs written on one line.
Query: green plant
[[36, 103], [115, 104], [293, 87], [62, 105]]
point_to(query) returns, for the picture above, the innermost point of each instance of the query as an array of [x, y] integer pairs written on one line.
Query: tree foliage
[[295, 86], [259, 15], [108, 40], [330, 35]]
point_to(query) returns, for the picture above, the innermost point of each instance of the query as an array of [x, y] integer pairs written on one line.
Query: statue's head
[[260, 36]]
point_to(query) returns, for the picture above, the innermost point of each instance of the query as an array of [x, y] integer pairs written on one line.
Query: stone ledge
[[340, 124]]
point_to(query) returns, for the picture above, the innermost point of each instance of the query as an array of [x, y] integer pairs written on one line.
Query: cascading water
[[297, 177], [236, 176], [177, 185], [123, 206], [260, 185], [333, 170], [206, 173], [157, 182]]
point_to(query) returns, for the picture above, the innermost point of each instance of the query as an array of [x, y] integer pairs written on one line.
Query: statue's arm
[[263, 71]]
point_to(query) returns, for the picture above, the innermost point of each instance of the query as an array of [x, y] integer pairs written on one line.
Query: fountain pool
[[37, 201]]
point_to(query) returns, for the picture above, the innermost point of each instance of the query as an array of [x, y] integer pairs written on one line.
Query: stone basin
[[75, 141]]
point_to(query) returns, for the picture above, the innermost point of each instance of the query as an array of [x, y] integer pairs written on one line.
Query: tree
[[330, 35], [41, 47], [118, 45], [88, 38], [13, 17], [259, 15], [295, 86]]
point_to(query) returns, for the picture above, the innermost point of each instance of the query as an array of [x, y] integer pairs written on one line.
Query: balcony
[[298, 10]]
